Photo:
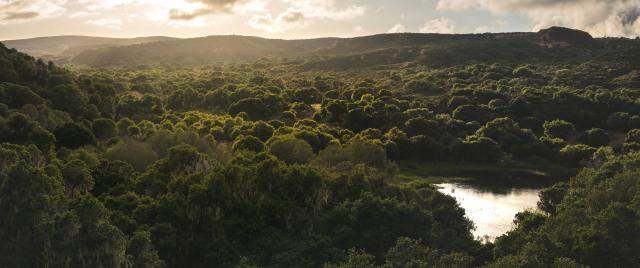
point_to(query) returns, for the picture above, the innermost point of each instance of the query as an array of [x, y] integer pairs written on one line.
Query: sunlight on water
[[492, 211]]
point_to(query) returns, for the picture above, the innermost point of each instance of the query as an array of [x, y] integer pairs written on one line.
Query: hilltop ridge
[[66, 46], [547, 45]]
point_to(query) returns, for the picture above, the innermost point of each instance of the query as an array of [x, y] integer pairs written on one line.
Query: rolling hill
[[551, 45], [64, 47]]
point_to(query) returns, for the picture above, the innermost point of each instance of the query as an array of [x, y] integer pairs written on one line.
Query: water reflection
[[491, 209]]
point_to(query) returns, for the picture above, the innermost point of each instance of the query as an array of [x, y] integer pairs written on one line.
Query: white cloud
[[441, 25], [252, 6], [398, 28], [23, 10], [358, 28], [286, 15], [301, 13], [115, 24], [598, 17], [200, 8], [195, 9], [94, 5], [80, 14], [456, 4], [290, 19], [179, 13]]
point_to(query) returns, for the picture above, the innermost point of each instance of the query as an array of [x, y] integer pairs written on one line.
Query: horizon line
[[311, 38]]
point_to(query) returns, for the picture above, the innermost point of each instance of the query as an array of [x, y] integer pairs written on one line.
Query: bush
[[307, 95], [595, 137], [77, 176], [74, 135], [479, 149], [123, 125], [633, 136], [522, 71], [421, 86], [572, 155], [16, 96], [104, 128], [248, 143], [470, 113], [138, 154], [18, 129], [253, 107], [357, 152], [559, 129], [619, 121], [291, 150]]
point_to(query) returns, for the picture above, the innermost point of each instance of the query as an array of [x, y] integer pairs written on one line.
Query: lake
[[491, 209]]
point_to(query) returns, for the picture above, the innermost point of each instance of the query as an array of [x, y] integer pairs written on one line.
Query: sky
[[294, 19]]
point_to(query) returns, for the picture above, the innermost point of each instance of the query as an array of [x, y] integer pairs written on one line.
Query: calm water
[[491, 210]]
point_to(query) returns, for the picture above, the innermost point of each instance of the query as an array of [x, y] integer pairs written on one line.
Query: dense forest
[[157, 159]]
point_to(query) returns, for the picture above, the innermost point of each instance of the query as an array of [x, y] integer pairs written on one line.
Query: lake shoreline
[[491, 210], [516, 175]]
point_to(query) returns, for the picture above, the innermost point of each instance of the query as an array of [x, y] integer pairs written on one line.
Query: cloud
[[301, 13], [21, 15], [174, 12], [441, 25], [456, 4], [177, 14], [106, 4], [23, 10], [80, 14], [398, 28], [290, 19], [115, 24], [205, 8], [598, 17]]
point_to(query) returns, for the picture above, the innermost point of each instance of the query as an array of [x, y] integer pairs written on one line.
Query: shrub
[[572, 155], [74, 135], [248, 143], [137, 154], [104, 128], [559, 129], [291, 150], [595, 137]]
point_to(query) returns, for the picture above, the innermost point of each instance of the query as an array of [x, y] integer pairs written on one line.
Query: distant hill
[[555, 44], [56, 47], [211, 49]]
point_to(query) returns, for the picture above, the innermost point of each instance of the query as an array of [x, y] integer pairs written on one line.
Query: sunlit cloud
[[198, 8], [440, 25], [195, 9], [301, 13], [106, 4], [80, 14], [19, 11], [285, 18], [598, 17], [398, 28], [115, 24], [290, 19]]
